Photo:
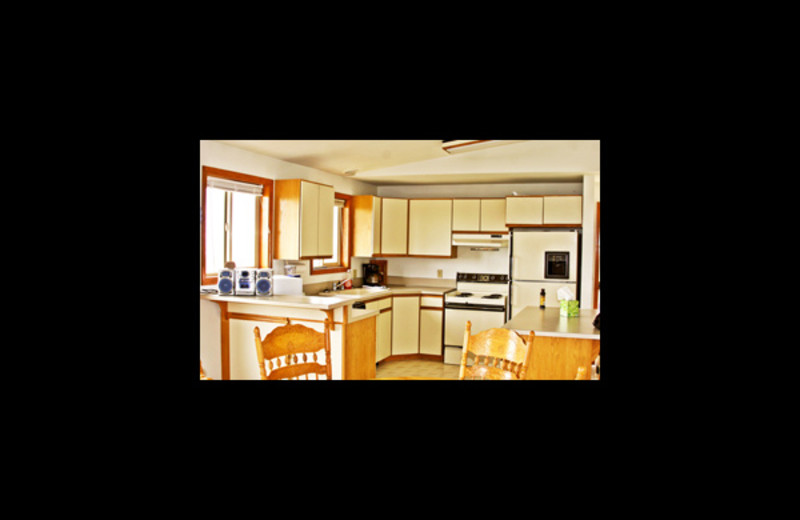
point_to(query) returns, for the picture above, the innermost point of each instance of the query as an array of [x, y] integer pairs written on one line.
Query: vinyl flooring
[[416, 368]]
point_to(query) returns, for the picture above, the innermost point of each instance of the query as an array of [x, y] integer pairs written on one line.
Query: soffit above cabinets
[[387, 162]]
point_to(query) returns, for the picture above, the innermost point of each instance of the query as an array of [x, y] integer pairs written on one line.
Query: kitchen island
[[561, 344], [227, 347]]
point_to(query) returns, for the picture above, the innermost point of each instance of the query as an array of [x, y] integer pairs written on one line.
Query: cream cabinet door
[[309, 219], [383, 336], [523, 210], [563, 210], [405, 325], [429, 227], [430, 332], [466, 214], [394, 227], [493, 215], [325, 221]]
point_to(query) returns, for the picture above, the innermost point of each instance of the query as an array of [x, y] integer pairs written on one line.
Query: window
[[340, 261], [236, 221]]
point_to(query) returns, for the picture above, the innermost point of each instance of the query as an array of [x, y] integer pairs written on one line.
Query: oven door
[[482, 318]]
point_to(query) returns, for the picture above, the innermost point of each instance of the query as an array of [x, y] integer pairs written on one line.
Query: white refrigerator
[[542, 259]]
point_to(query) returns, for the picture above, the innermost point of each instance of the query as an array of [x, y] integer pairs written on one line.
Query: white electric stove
[[479, 298]]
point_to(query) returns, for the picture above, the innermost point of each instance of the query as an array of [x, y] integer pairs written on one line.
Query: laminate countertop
[[549, 322], [327, 301]]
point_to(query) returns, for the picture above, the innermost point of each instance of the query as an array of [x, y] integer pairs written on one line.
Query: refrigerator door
[[527, 293], [528, 253]]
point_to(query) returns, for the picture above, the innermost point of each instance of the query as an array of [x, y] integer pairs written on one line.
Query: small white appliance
[[285, 284], [479, 298], [543, 259], [264, 282], [225, 282], [245, 282]]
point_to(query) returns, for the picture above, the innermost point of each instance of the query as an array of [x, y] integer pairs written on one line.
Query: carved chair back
[[278, 353], [499, 354]]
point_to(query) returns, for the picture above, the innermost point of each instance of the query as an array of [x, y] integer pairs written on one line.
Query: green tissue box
[[569, 308]]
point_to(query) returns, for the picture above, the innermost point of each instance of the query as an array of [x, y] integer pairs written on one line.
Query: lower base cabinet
[[383, 339], [430, 331], [405, 325]]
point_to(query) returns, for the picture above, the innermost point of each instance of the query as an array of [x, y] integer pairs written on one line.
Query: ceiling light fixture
[[453, 146], [350, 173]]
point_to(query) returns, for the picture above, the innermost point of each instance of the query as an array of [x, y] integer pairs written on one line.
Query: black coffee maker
[[373, 274]]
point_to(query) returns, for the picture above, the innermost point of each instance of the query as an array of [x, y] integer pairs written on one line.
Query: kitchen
[[426, 212]]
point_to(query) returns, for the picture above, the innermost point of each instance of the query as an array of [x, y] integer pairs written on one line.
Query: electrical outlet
[[439, 273]]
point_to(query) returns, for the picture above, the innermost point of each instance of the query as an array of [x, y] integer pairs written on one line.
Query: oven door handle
[[472, 307]]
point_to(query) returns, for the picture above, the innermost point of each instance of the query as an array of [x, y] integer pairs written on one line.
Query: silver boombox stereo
[[225, 283], [264, 282], [245, 281]]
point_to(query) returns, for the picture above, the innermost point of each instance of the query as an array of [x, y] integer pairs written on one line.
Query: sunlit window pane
[[215, 230], [244, 229]]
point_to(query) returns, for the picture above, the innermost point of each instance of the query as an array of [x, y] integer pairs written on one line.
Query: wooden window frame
[[263, 250], [346, 242]]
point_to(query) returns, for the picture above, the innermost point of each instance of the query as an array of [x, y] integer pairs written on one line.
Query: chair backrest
[[287, 342], [499, 354]]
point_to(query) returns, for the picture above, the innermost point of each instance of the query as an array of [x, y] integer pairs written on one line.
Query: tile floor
[[416, 368]]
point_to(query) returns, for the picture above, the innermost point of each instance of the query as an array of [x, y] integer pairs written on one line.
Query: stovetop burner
[[493, 296], [463, 294]]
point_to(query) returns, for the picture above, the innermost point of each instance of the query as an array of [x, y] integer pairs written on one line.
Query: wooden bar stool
[[287, 342], [505, 354]]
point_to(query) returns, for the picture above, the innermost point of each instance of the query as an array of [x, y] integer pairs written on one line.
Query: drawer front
[[431, 301]]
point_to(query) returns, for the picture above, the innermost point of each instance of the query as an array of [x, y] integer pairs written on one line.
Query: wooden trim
[[276, 319], [596, 256], [481, 232], [546, 225], [224, 340], [431, 308]]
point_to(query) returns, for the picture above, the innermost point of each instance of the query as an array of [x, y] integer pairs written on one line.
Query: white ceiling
[[424, 162]]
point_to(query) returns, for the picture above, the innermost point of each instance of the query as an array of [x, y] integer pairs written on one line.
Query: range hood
[[480, 240]]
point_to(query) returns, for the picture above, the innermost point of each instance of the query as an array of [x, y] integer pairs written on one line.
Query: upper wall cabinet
[[429, 227], [479, 215], [303, 220], [565, 209], [394, 227], [493, 215], [523, 210], [544, 211], [366, 225]]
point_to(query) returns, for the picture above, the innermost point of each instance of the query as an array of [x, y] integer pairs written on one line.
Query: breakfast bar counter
[[227, 349], [560, 344]]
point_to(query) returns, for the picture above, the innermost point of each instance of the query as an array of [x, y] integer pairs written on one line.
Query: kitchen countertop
[[326, 302], [549, 322]]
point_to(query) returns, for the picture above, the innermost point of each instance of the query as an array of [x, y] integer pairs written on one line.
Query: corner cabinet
[[303, 220], [366, 225]]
